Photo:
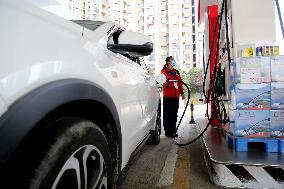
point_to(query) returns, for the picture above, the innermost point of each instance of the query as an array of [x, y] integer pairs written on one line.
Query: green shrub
[[194, 79]]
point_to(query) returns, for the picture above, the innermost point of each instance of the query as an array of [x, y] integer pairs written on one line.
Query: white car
[[76, 102]]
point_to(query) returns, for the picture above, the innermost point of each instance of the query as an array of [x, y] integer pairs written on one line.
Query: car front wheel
[[76, 157]]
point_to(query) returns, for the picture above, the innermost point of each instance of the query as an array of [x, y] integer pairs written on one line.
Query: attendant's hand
[[183, 96]]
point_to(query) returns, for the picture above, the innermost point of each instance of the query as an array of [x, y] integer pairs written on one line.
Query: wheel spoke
[[84, 169], [86, 154], [63, 177], [102, 179], [101, 172], [102, 183]]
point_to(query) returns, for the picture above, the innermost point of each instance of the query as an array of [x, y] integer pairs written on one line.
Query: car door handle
[[114, 74]]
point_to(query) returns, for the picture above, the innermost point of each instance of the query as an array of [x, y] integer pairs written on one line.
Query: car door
[[144, 94], [129, 88], [150, 98]]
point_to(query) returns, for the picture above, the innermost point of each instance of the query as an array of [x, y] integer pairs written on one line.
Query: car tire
[[76, 155], [154, 138]]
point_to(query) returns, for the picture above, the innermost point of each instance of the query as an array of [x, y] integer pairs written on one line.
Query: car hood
[[63, 11], [52, 11]]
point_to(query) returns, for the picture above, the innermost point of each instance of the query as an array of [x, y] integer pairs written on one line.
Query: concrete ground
[[168, 166]]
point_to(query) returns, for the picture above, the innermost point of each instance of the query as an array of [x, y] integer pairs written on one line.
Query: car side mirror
[[161, 79], [132, 43]]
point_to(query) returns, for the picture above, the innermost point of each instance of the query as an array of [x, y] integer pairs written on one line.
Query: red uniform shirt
[[172, 89]]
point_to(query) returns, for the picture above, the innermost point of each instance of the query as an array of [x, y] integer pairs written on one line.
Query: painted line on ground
[[166, 177], [182, 169], [225, 177], [262, 176]]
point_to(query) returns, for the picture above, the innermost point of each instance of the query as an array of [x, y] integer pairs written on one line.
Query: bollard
[[191, 114], [192, 121]]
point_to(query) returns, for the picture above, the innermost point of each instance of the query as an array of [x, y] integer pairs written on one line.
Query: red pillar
[[212, 19]]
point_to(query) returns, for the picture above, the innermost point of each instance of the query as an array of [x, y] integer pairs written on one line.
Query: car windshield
[[90, 24]]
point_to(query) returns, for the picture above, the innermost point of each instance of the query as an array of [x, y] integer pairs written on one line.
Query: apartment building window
[[198, 45], [187, 10], [186, 4], [187, 66], [187, 38], [186, 20], [150, 27], [150, 19], [194, 57], [175, 26], [164, 21], [140, 23], [186, 28], [95, 17], [175, 1], [164, 29], [175, 54], [193, 29], [96, 10], [187, 47], [194, 47], [164, 39], [163, 57], [175, 37], [175, 47], [84, 14], [193, 10], [192, 2], [187, 56], [175, 17], [164, 48], [177, 58], [175, 8], [199, 54], [193, 20]]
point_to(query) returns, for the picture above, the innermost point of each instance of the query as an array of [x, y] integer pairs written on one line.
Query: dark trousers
[[170, 110]]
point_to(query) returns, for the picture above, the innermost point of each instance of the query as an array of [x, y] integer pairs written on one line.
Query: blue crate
[[240, 144], [281, 145]]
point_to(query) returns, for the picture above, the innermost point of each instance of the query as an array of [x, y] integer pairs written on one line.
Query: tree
[[194, 79]]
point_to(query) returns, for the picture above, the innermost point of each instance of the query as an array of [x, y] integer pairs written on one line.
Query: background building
[[170, 23], [199, 46]]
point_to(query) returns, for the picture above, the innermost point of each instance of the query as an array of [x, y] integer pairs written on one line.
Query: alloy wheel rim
[[84, 169]]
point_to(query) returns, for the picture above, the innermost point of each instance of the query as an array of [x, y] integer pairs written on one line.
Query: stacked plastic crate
[[277, 100], [251, 117]]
